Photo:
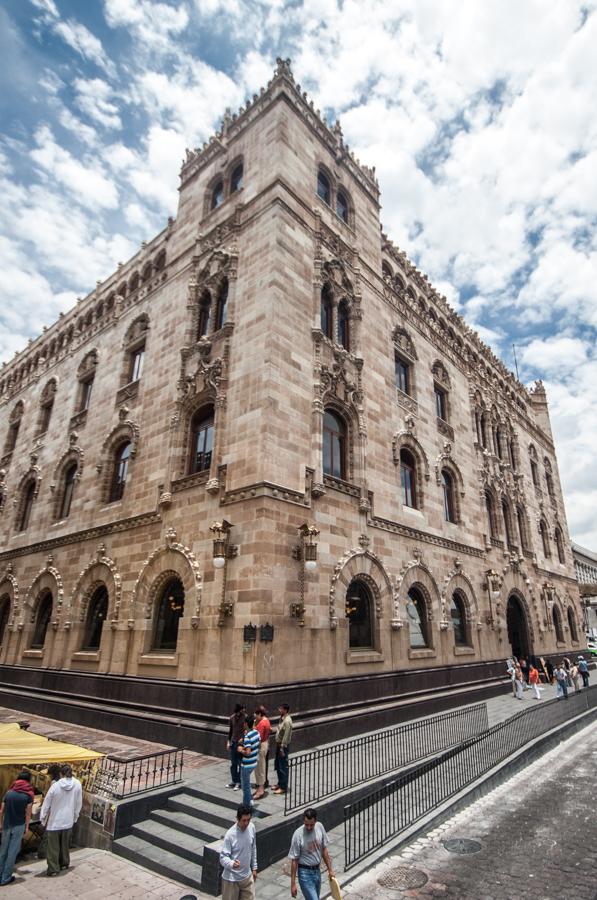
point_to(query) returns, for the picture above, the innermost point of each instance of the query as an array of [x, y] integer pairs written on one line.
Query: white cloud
[[94, 98], [154, 25], [85, 43]]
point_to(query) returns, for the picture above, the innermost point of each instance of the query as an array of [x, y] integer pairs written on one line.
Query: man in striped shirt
[[250, 755]]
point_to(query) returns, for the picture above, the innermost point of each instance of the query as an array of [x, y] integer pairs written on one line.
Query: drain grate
[[462, 845], [402, 878]]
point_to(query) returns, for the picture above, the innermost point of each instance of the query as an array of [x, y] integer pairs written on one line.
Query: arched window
[[42, 620], [342, 206], [204, 312], [85, 377], [236, 179], [14, 424], [4, 615], [96, 616], [202, 440], [359, 610], [571, 626], [549, 483], [169, 612], [334, 445], [458, 618], [448, 492], [46, 406], [484, 430], [544, 539], [441, 403], [386, 270], [222, 305], [343, 325], [512, 454], [490, 514], [120, 471], [28, 498], [560, 546], [507, 525], [217, 195], [326, 317], [408, 478], [323, 187], [522, 530], [557, 624], [68, 486], [416, 609]]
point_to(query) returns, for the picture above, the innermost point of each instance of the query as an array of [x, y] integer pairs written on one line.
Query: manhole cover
[[402, 878], [462, 845]]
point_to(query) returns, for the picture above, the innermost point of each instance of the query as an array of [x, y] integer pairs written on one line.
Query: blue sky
[[479, 118]]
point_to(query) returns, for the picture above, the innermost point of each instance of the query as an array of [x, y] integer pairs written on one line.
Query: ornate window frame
[[126, 430]]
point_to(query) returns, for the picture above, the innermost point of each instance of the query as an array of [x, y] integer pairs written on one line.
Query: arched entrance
[[359, 611], [518, 630]]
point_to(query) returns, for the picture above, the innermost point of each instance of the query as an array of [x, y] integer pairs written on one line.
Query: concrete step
[[171, 838], [203, 810], [163, 862], [191, 825], [227, 799]]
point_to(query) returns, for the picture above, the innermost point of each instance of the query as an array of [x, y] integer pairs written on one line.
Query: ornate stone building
[[585, 562], [266, 458]]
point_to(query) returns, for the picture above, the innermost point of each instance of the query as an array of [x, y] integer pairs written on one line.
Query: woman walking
[[534, 681]]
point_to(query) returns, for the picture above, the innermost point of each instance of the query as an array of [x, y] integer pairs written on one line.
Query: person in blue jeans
[[250, 754], [15, 814], [309, 846], [236, 730]]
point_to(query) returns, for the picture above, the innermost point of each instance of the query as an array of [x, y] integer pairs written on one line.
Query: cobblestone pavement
[[538, 835]]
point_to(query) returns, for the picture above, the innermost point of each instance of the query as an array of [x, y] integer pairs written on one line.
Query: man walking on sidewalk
[[15, 813], [59, 813], [238, 858], [283, 738], [309, 846]]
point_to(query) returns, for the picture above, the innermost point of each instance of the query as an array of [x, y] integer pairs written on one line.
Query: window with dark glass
[[549, 483], [120, 472], [448, 493], [217, 195], [544, 539], [490, 515], [86, 388], [4, 615], [359, 614], [204, 311], [560, 546], [323, 187], [458, 618], [402, 373], [522, 529], [202, 439], [557, 624], [96, 616], [42, 620], [571, 626], [441, 406], [46, 406], [334, 446], [28, 498], [326, 314], [416, 611], [222, 305], [342, 206], [68, 488], [343, 325], [507, 525], [236, 179], [512, 455], [137, 357], [534, 473], [408, 478], [169, 612]]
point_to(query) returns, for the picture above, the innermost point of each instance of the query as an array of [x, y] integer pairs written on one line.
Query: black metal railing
[[118, 778], [316, 774], [380, 816]]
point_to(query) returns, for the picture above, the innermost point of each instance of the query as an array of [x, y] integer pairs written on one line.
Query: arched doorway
[[518, 630], [359, 611]]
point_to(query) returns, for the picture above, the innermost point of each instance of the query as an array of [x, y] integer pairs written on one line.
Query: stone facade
[[585, 562], [223, 311]]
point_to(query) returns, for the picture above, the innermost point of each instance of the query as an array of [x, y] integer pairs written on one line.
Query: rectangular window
[[137, 357], [407, 479], [402, 371], [440, 404], [86, 387]]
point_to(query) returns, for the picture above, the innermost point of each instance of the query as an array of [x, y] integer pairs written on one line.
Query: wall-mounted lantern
[[306, 554]]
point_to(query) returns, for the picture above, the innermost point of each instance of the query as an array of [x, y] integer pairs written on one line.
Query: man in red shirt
[[262, 724]]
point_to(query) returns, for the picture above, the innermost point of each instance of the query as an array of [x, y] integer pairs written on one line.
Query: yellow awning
[[19, 747]]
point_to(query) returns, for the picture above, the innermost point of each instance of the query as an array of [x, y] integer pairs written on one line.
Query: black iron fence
[[118, 778], [316, 774], [380, 816]]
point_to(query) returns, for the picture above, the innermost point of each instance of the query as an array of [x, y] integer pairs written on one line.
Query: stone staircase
[[171, 840]]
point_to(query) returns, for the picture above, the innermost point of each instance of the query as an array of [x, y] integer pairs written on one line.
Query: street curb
[[479, 788]]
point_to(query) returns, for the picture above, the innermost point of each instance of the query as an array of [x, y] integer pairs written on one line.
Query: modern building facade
[[585, 563], [266, 458]]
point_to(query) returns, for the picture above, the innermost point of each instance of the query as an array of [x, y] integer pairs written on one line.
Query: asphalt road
[[538, 836]]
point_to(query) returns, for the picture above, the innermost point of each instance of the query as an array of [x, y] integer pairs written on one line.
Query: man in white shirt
[[238, 858], [60, 811], [309, 846]]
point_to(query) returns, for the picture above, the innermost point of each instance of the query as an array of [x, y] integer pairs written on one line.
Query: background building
[[267, 385], [585, 563]]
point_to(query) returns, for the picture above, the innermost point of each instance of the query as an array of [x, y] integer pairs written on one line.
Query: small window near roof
[[342, 206], [217, 195], [236, 179], [323, 187]]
